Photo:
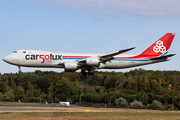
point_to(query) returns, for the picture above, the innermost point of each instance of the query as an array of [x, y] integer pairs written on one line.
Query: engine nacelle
[[70, 66], [92, 61]]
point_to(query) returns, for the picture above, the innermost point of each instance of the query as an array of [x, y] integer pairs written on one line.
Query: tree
[[1, 86], [154, 84], [62, 88], [101, 89], [20, 91], [107, 82], [43, 83], [179, 105], [6, 87], [98, 88], [89, 97], [1, 95]]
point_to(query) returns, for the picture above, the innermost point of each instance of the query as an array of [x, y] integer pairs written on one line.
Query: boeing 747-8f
[[71, 62]]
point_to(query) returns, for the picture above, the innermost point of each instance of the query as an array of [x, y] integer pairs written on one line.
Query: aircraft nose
[[7, 59]]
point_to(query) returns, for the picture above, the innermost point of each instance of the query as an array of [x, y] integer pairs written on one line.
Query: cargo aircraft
[[71, 62]]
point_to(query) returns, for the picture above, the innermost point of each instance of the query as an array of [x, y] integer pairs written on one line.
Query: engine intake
[[70, 66], [93, 61]]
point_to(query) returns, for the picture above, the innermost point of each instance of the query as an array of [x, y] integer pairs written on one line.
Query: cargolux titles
[[48, 58]]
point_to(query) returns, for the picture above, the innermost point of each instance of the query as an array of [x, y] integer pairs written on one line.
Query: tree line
[[102, 88]]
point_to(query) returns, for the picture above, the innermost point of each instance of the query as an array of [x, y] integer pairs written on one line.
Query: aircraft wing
[[104, 58], [92, 61], [111, 55]]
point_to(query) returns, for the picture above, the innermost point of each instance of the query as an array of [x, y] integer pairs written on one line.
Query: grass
[[91, 113]]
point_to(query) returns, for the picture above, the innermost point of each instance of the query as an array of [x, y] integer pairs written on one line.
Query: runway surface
[[27, 109]]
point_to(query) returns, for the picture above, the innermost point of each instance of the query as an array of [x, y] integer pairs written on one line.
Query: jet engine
[[70, 66], [93, 61]]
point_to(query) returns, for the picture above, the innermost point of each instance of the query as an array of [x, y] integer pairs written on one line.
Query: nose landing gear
[[19, 72]]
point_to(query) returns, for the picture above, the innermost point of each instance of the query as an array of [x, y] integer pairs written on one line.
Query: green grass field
[[87, 114]]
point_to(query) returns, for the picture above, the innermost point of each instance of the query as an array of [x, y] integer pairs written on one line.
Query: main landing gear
[[83, 72], [19, 72], [90, 72]]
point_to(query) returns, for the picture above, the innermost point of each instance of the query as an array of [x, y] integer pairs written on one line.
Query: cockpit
[[19, 51]]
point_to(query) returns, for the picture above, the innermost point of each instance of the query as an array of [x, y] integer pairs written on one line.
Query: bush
[[173, 109], [148, 106], [156, 105], [121, 102], [137, 105]]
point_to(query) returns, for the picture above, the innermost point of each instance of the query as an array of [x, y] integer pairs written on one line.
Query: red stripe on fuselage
[[133, 57], [76, 56], [142, 57]]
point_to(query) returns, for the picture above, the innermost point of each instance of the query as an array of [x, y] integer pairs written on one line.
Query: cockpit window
[[14, 51]]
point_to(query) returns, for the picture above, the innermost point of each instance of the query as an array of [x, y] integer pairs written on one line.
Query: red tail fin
[[160, 47]]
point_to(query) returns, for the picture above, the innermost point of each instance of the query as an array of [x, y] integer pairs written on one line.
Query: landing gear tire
[[91, 73], [19, 72], [83, 72]]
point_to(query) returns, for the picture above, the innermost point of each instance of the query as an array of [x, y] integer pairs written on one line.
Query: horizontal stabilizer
[[163, 57]]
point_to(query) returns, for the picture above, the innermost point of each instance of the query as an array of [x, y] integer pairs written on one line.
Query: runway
[[28, 109]]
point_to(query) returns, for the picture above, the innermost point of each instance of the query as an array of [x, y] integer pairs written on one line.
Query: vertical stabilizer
[[160, 47]]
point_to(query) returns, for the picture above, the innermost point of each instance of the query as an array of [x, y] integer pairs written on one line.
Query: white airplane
[[89, 62]]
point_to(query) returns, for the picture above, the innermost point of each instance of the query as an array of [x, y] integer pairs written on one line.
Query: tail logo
[[159, 47]]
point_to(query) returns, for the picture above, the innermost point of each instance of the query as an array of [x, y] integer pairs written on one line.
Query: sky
[[87, 26]]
